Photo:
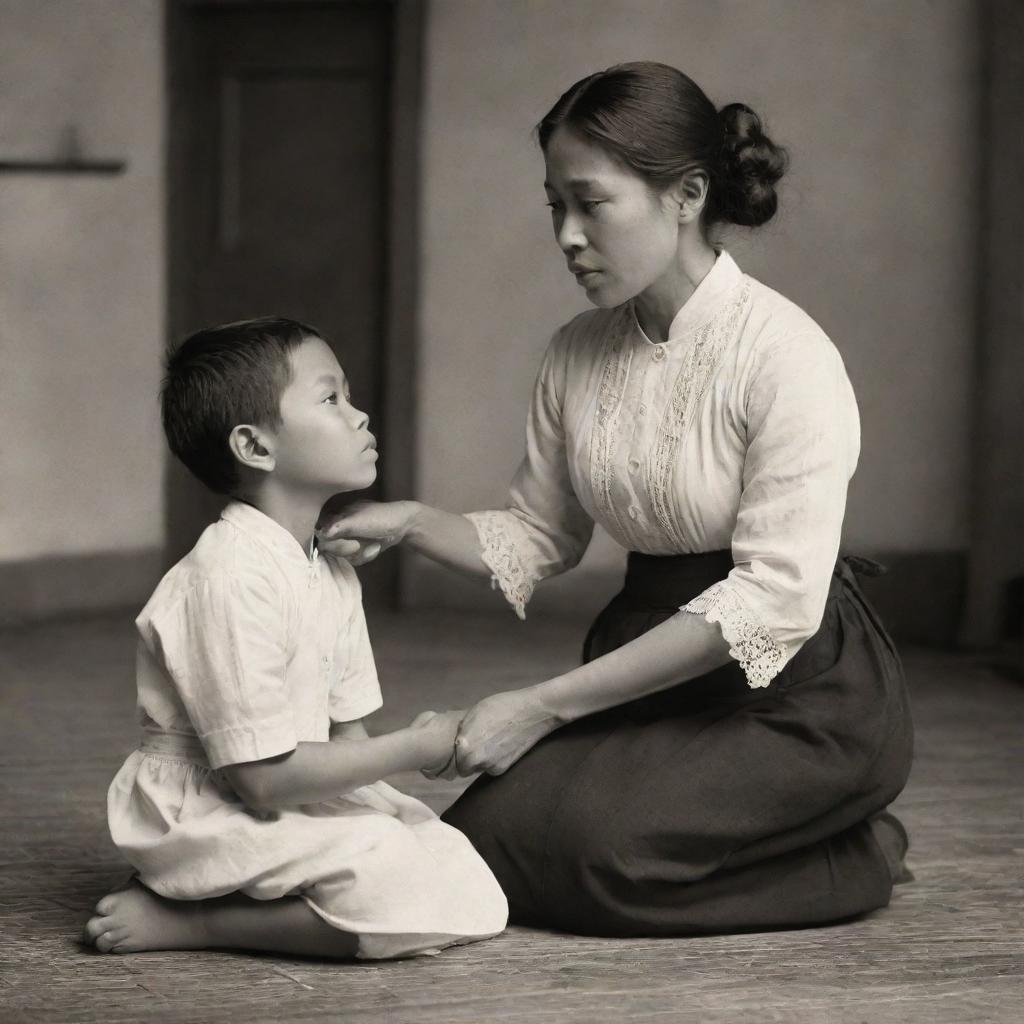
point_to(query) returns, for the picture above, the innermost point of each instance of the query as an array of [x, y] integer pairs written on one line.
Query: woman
[[722, 758]]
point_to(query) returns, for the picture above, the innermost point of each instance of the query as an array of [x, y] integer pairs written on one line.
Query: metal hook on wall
[[70, 159]]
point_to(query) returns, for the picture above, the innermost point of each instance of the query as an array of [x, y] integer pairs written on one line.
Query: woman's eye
[[591, 205], [554, 207]]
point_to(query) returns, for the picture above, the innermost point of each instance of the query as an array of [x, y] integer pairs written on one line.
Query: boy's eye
[[332, 398]]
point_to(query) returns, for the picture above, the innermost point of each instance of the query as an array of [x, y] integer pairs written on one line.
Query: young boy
[[252, 811]]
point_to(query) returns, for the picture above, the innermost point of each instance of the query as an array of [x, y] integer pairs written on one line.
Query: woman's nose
[[570, 235]]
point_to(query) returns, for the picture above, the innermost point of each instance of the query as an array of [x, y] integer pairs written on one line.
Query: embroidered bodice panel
[[739, 431]]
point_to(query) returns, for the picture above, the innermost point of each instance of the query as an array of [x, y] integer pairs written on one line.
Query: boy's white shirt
[[253, 646]]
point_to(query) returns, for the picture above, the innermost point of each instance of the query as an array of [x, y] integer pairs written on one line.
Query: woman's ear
[[252, 447], [691, 192]]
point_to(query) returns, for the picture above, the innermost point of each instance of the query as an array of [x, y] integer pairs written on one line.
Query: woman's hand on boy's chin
[[355, 552], [363, 530]]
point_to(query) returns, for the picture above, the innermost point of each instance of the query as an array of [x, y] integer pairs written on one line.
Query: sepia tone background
[[898, 233], [368, 165]]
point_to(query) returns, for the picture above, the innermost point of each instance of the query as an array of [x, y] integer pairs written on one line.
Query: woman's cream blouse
[[740, 431]]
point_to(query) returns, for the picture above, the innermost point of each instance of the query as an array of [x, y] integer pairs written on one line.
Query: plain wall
[[995, 608], [82, 318], [876, 239]]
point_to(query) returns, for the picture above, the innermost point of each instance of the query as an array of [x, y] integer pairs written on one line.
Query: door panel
[[279, 191]]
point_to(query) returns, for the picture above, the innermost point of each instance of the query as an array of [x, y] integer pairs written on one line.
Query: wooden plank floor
[[950, 948]]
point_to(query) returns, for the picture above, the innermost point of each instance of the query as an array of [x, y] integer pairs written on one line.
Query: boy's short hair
[[221, 377]]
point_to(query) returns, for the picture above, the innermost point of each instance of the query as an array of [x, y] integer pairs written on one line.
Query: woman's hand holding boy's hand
[[363, 530], [436, 732], [498, 730]]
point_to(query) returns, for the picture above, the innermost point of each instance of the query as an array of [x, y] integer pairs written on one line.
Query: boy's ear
[[691, 192], [252, 447]]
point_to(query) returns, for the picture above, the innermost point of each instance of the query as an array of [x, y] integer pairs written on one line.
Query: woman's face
[[619, 238]]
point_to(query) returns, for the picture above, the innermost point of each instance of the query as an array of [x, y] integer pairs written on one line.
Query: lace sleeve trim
[[750, 643], [503, 556]]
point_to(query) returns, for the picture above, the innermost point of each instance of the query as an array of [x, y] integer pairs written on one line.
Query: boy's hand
[[449, 771], [437, 731]]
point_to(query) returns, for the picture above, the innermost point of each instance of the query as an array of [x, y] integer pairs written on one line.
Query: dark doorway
[[286, 126]]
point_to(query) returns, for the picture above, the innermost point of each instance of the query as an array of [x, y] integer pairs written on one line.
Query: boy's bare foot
[[134, 919]]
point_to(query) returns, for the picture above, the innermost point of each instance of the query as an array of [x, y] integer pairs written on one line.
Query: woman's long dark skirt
[[709, 807]]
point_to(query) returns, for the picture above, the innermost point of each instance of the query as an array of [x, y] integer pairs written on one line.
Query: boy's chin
[[359, 481], [350, 484]]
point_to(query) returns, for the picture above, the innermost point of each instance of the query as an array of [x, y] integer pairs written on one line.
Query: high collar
[[272, 535], [708, 298]]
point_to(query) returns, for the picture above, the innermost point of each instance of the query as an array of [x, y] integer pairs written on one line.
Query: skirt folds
[[711, 806]]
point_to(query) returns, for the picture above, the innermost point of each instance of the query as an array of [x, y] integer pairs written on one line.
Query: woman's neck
[[658, 305]]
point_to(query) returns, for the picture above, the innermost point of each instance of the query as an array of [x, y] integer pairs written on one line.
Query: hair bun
[[751, 165]]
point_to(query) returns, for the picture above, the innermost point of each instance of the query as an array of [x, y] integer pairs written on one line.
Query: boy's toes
[[113, 940], [95, 927], [106, 905]]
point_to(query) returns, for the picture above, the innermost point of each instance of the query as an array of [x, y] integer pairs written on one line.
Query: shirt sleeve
[[355, 689], [803, 440], [543, 530], [222, 643]]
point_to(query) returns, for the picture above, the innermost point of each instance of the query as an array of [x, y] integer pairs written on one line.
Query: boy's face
[[322, 444]]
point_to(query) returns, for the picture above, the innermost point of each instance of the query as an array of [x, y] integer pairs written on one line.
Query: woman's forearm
[[448, 538], [682, 648], [314, 772], [498, 730]]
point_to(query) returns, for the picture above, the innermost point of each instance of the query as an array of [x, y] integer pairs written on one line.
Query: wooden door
[[279, 181]]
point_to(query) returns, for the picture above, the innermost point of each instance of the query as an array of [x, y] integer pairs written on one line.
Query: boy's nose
[[361, 419]]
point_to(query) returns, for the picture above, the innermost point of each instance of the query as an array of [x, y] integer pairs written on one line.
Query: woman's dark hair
[[219, 378], [660, 123]]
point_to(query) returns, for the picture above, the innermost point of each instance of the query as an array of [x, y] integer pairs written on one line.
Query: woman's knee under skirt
[[708, 807]]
